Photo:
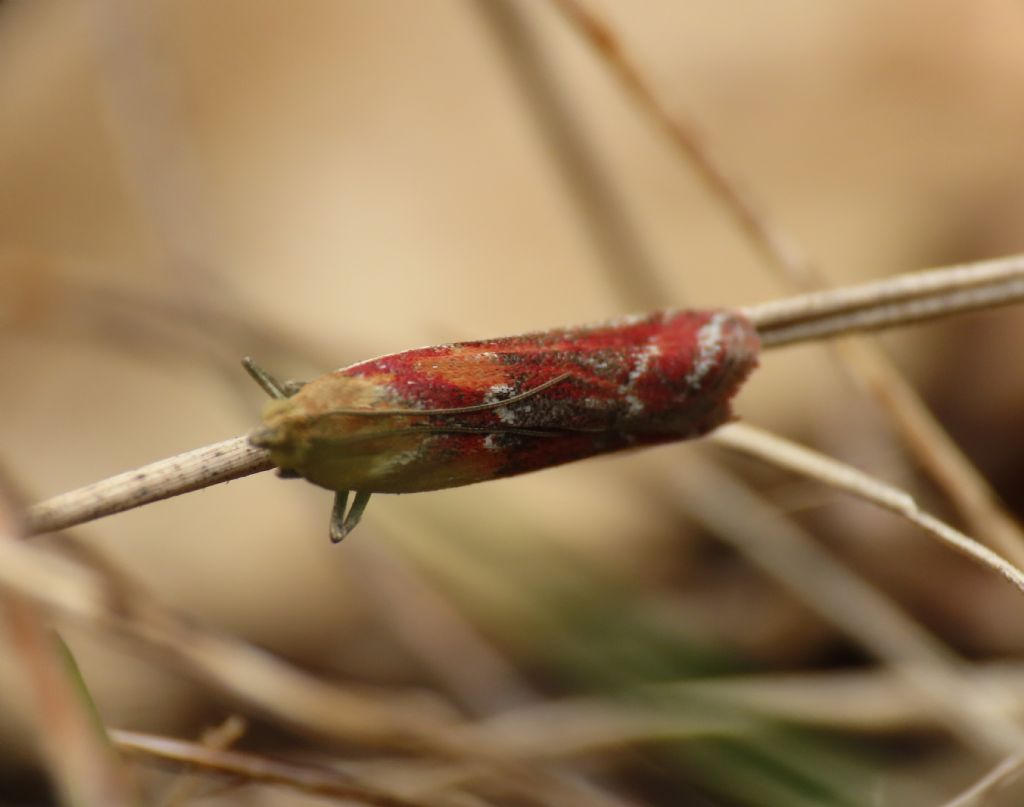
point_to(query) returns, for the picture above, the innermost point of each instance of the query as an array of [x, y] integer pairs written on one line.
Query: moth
[[450, 415]]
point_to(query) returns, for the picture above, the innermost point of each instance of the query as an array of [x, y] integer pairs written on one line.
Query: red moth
[[450, 415]]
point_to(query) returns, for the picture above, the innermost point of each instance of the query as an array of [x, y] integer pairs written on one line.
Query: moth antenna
[[269, 384], [456, 410], [559, 431], [494, 429]]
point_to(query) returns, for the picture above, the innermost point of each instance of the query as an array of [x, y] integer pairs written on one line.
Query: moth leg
[[341, 523], [269, 384]]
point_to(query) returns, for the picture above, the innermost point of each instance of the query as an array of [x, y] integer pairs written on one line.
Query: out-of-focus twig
[[861, 701], [969, 491], [428, 625], [145, 114], [927, 441], [930, 671], [617, 245], [204, 331], [885, 303], [218, 738], [84, 766], [773, 245], [253, 768], [990, 782]]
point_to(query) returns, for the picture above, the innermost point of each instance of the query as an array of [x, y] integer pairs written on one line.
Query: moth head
[[315, 414]]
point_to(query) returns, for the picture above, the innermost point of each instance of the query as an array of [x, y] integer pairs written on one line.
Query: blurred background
[[183, 183]]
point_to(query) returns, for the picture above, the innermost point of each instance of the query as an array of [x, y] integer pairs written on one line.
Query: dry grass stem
[[883, 303], [968, 491], [906, 288], [253, 768], [859, 701], [565, 729], [192, 470], [218, 738], [799, 459], [930, 671], [784, 323]]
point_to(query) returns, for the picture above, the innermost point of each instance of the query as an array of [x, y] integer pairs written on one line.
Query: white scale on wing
[[643, 362], [709, 346], [506, 414]]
